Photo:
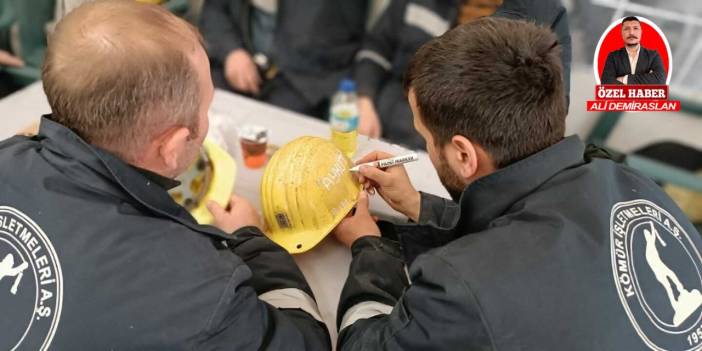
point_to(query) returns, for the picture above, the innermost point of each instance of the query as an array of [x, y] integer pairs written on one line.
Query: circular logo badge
[[31, 288], [658, 274]]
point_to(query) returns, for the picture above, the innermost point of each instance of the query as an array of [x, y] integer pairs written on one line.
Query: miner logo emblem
[[657, 270], [31, 283], [8, 269]]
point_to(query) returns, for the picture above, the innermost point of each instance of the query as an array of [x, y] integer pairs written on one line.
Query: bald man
[[114, 263]]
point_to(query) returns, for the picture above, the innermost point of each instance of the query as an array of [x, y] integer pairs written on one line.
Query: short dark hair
[[630, 18], [495, 81]]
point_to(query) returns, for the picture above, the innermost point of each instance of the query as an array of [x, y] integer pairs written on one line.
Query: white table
[[325, 266]]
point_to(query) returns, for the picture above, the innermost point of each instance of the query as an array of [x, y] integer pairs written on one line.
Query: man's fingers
[[375, 133], [234, 77], [255, 89], [256, 74], [232, 80], [235, 199], [379, 129], [250, 78], [239, 82], [243, 81], [252, 82], [367, 183], [375, 130], [362, 205], [247, 82], [374, 156], [378, 176], [214, 208], [370, 188], [8, 59]]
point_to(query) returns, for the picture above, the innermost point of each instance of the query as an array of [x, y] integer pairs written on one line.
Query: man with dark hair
[[633, 64], [105, 259], [537, 251], [407, 24]]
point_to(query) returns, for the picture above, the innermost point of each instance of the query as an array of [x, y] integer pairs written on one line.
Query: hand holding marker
[[392, 183], [388, 162], [384, 163]]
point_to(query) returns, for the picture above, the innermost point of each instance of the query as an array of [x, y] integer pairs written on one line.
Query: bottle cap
[[347, 85]]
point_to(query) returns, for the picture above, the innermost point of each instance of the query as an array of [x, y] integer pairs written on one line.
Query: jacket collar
[[116, 174], [491, 196], [164, 182]]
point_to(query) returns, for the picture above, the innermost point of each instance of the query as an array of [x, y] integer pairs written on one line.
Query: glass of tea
[[253, 140]]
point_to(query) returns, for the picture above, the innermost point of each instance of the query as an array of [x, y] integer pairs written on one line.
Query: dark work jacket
[[558, 251], [649, 68], [113, 263], [314, 43], [407, 24]]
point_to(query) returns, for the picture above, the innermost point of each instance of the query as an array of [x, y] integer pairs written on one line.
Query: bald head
[[120, 72]]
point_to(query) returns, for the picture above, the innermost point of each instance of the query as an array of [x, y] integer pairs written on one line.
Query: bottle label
[[344, 118], [344, 125]]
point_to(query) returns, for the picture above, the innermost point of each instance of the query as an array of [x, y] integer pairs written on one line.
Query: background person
[[407, 24], [308, 48]]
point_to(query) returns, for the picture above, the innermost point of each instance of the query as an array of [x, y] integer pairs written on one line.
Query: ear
[[172, 146], [462, 156]]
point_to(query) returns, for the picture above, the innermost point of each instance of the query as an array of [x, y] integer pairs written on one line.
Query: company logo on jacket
[[658, 274], [31, 284]]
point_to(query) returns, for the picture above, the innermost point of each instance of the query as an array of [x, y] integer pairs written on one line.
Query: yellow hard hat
[[211, 177], [306, 190]]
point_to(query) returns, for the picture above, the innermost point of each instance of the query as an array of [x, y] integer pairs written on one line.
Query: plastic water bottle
[[343, 117]]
